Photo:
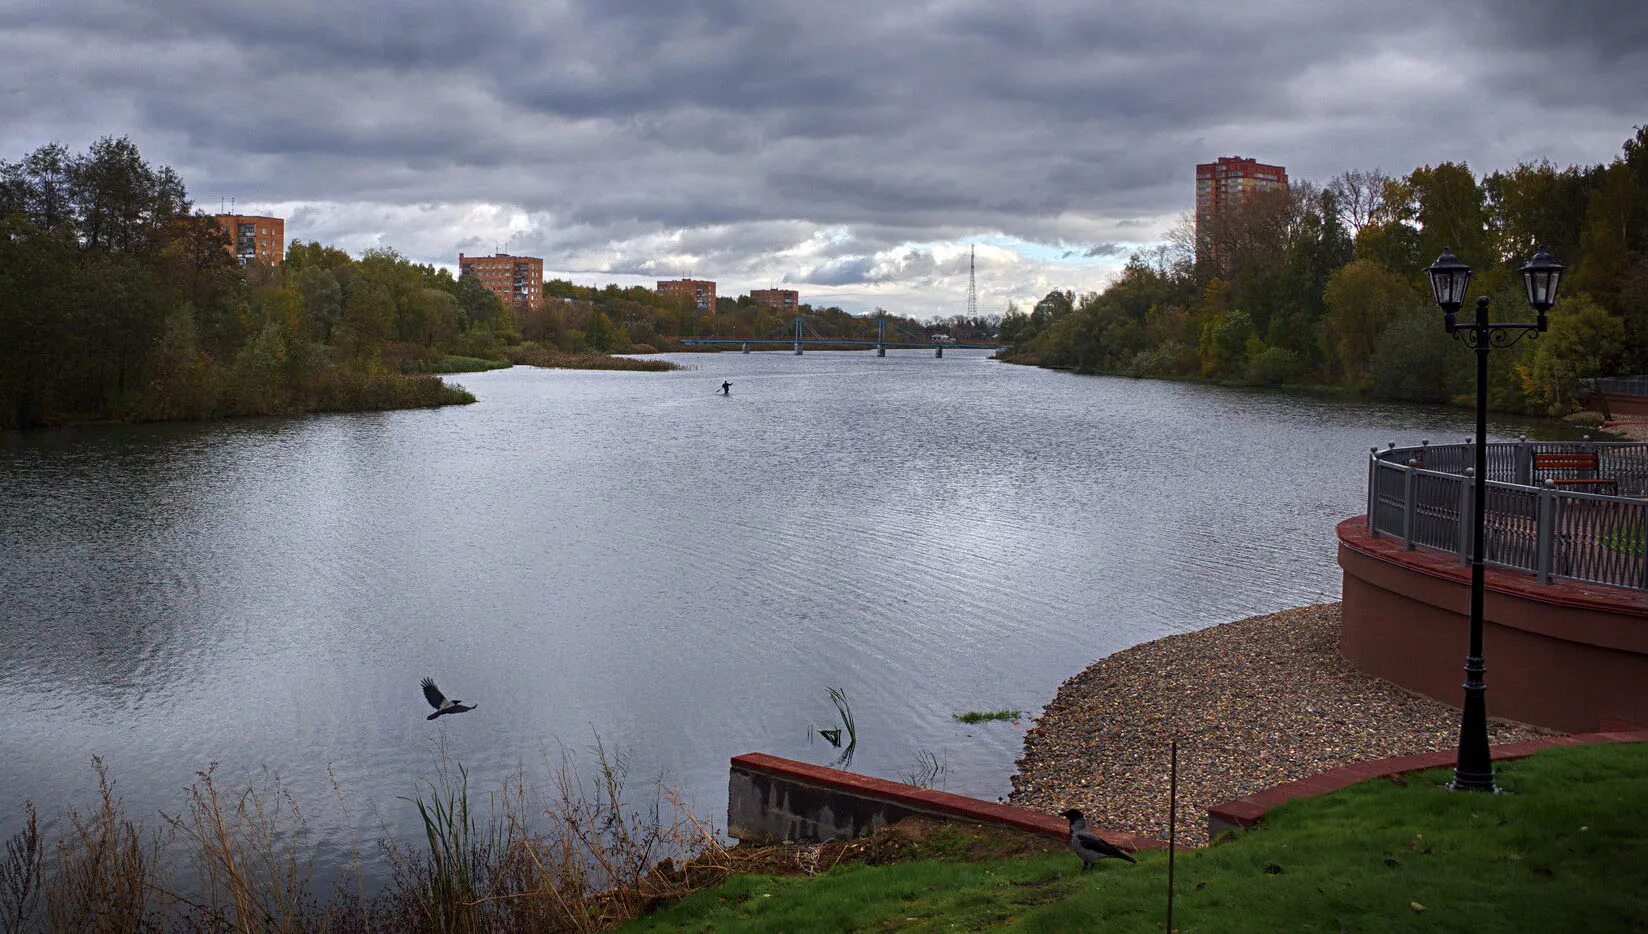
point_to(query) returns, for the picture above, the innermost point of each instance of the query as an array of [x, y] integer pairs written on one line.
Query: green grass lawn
[[1565, 850]]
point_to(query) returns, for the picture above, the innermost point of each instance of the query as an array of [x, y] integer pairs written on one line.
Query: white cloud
[[854, 149]]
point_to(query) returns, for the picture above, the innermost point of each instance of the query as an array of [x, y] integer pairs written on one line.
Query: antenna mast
[[972, 286]]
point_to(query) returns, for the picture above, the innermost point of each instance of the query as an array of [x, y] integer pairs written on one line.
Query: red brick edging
[[941, 804], [1248, 811]]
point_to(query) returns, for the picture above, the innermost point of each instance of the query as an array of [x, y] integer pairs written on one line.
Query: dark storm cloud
[[1098, 250], [801, 141]]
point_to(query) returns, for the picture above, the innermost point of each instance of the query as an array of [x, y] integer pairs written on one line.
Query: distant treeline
[[117, 303], [1325, 286], [638, 319]]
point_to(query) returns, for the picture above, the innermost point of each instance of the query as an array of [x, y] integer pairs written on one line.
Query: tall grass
[[103, 877], [929, 770], [838, 697], [243, 852], [586, 852], [20, 875]]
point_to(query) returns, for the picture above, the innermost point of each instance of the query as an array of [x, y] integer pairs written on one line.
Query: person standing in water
[[726, 388]]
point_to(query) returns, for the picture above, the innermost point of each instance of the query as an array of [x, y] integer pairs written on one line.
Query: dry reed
[[585, 854]]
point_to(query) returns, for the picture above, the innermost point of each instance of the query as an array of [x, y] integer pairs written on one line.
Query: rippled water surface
[[630, 556]]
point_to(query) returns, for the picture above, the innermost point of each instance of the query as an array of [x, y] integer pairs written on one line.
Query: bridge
[[800, 341]]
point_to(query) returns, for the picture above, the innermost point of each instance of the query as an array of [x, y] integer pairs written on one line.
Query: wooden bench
[[1576, 463]]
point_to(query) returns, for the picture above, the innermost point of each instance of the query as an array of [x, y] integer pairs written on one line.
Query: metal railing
[[1423, 495], [1618, 385]]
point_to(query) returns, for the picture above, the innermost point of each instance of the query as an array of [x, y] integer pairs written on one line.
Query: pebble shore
[[1254, 703]]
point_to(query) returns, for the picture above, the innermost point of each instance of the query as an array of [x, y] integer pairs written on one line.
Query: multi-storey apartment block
[[252, 237], [701, 292], [516, 280], [782, 299], [1231, 181]]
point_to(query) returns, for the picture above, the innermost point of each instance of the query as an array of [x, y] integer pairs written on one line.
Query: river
[[630, 556]]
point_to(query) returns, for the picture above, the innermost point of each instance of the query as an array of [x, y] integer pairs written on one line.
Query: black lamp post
[[1473, 770]]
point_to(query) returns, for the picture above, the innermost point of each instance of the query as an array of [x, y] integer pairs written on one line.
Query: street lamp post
[[1473, 770]]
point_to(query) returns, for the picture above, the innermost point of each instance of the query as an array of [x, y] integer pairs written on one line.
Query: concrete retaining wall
[[772, 799], [1564, 655]]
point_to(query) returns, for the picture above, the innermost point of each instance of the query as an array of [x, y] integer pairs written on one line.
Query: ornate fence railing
[[1536, 520], [1618, 385]]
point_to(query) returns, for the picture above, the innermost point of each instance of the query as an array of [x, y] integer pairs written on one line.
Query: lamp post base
[[1473, 770]]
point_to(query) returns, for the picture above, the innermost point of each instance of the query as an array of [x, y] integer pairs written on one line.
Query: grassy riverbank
[[1563, 851], [531, 354], [456, 364]]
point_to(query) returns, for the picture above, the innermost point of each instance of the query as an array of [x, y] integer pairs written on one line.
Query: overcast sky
[[848, 150]]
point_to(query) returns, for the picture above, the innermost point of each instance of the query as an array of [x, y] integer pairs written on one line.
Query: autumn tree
[[1362, 298]]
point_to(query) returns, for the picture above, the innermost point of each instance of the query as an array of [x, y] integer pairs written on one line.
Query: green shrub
[[1272, 367]]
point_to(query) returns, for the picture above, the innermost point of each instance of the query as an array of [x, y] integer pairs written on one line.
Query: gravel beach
[[1254, 703]]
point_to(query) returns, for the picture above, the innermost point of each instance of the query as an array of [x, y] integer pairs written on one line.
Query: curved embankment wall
[[1566, 655]]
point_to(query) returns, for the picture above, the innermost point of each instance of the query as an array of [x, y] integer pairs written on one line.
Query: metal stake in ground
[[1172, 823], [1473, 770]]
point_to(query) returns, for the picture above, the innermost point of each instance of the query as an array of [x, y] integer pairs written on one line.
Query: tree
[[1362, 298], [1450, 209], [1358, 197], [1584, 341], [1225, 347], [124, 204], [40, 188], [301, 257], [598, 333], [1612, 219], [1535, 206], [322, 301], [1413, 359], [1015, 325], [368, 316], [479, 305]]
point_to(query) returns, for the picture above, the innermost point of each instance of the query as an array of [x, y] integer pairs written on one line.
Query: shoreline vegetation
[[1627, 428], [120, 303], [582, 851], [1323, 287], [540, 355]]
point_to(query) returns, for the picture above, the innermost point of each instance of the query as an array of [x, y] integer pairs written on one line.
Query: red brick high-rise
[[782, 299], [253, 236], [1230, 181], [516, 280], [701, 292]]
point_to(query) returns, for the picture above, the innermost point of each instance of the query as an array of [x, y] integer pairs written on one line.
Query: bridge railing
[[1423, 496]]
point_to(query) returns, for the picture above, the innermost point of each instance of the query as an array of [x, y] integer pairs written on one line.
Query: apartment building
[[1230, 181], [782, 299], [253, 236], [516, 280], [701, 292]]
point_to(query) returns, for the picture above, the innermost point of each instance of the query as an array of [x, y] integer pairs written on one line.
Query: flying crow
[[1087, 844], [438, 701]]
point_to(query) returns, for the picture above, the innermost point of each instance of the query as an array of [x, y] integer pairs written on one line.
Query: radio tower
[[972, 286]]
